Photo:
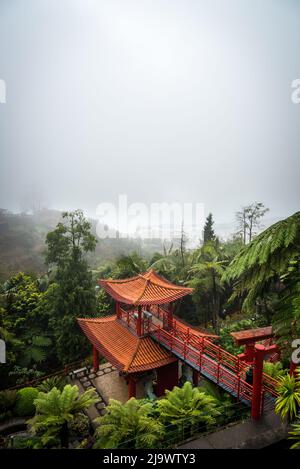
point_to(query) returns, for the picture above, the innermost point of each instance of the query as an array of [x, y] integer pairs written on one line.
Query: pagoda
[[143, 304]]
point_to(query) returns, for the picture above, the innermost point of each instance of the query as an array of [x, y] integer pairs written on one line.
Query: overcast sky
[[162, 100]]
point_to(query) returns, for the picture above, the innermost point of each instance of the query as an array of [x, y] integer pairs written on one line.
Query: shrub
[[274, 370], [25, 401], [79, 426], [29, 442]]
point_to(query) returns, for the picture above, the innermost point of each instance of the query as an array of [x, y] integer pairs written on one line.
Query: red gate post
[[95, 359], [293, 368], [257, 381]]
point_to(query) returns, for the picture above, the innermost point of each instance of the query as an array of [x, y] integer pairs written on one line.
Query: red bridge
[[146, 318]]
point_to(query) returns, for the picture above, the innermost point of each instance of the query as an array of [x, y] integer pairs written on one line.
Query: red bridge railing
[[209, 358], [206, 363]]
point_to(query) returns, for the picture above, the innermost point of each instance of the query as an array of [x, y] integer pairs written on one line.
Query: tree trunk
[[215, 312], [64, 436]]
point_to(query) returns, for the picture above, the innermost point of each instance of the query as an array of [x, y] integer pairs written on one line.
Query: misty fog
[[165, 101]]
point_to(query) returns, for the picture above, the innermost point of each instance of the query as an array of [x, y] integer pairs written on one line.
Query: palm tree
[[288, 401], [207, 272], [129, 425], [56, 409], [129, 265], [186, 408]]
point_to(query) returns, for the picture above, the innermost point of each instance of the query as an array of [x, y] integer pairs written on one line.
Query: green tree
[[73, 292], [129, 425], [187, 408], [25, 327], [249, 220], [207, 273], [286, 319], [129, 265], [257, 268], [56, 412], [208, 233]]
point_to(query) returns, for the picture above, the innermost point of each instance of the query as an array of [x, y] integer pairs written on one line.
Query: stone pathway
[[85, 378]]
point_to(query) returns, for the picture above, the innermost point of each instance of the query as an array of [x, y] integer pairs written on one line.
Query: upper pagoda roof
[[148, 288], [122, 348]]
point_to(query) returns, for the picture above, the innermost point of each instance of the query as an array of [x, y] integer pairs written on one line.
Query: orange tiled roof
[[122, 348], [144, 289]]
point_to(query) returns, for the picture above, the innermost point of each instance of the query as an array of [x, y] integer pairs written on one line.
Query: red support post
[[293, 369], [195, 377], [170, 316], [200, 353], [139, 322], [131, 387], [171, 342], [118, 310], [95, 359], [260, 351], [238, 386]]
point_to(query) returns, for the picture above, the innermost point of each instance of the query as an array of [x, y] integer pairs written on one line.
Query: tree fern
[[129, 425], [56, 409], [266, 258], [188, 407]]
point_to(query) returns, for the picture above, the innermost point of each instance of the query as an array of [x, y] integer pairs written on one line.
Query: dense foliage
[[56, 414], [188, 407], [128, 425], [288, 401], [236, 287]]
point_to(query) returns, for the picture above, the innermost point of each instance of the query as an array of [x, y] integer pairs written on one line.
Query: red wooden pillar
[[195, 377], [249, 352], [131, 387], [118, 310], [95, 359], [139, 322], [170, 316], [257, 381]]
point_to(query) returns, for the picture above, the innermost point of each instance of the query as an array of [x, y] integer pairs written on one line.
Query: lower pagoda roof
[[122, 348]]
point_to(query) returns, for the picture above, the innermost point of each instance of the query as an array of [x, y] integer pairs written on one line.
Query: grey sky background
[[165, 101]]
